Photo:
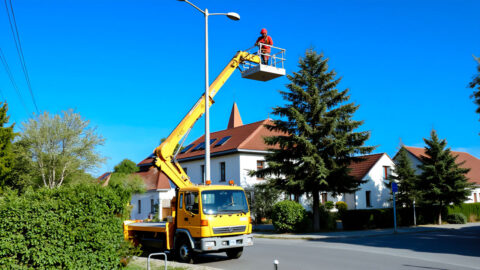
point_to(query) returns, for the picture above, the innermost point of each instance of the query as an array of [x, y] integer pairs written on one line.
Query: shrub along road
[[442, 249]]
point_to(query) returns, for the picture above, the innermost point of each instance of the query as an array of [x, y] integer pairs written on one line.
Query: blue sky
[[134, 68]]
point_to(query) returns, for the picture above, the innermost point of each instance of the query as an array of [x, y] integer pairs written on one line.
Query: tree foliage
[[265, 196], [442, 181], [7, 156], [319, 140], [126, 166], [59, 145], [71, 227], [475, 85], [404, 175]]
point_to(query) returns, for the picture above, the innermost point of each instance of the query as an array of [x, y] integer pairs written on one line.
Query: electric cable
[[12, 80], [18, 45]]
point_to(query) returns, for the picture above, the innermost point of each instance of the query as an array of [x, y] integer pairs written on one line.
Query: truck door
[[189, 214]]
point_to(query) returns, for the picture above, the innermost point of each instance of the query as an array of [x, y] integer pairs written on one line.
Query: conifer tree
[[404, 175], [319, 141], [475, 84], [442, 180], [6, 152]]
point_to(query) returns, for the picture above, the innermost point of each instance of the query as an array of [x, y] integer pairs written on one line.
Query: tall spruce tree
[[442, 180], [319, 141], [6, 151], [404, 175]]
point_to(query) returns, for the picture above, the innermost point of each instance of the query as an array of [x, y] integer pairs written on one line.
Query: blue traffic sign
[[394, 187]]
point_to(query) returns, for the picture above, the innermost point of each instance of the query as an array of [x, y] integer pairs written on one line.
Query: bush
[[329, 205], [288, 216], [70, 227], [341, 206], [264, 197], [456, 218], [470, 210], [327, 218]]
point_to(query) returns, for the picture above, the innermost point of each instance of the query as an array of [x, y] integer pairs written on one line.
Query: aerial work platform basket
[[271, 68]]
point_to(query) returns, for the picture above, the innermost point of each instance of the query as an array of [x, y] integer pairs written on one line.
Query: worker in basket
[[265, 50]]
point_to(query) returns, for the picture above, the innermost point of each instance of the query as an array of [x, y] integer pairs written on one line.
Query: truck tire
[[184, 251], [234, 253]]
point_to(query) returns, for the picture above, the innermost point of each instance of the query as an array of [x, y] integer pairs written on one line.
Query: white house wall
[[232, 170], [160, 198], [471, 198], [379, 193], [248, 162]]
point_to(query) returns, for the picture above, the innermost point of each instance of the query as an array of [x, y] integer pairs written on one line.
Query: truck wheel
[[184, 251], [234, 253]]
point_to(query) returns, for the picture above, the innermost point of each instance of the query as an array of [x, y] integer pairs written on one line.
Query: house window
[[152, 206], [367, 198], [202, 167], [222, 172], [324, 197], [385, 171], [260, 165], [139, 206]]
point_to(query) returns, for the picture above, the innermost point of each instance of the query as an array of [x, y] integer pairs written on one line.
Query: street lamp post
[[234, 16]]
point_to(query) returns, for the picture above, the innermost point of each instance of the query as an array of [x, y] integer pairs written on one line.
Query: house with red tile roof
[[374, 171], [239, 149], [469, 161], [234, 152]]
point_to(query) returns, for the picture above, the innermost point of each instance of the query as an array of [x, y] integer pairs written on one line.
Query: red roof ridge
[[255, 132]]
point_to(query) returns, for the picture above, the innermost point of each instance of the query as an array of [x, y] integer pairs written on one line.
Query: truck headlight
[[209, 244]]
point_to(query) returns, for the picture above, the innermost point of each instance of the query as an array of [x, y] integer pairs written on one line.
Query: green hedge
[[383, 218], [76, 227], [470, 210]]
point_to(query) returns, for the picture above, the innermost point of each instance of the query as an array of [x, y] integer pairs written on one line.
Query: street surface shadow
[[211, 257], [464, 241]]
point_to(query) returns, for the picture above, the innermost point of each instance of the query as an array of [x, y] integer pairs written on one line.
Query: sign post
[[394, 190]]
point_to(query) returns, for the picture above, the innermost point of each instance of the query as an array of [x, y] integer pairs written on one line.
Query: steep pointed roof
[[469, 162], [365, 163], [235, 119]]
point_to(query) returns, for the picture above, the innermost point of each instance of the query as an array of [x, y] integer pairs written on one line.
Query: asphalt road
[[440, 250]]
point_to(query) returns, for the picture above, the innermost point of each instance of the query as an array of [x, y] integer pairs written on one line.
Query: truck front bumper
[[221, 243]]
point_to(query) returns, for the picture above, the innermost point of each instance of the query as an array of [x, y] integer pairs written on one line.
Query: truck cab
[[212, 219]]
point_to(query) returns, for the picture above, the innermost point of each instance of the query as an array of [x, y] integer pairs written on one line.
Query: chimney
[[235, 119]]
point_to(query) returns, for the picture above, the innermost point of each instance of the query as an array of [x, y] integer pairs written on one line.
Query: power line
[[12, 80], [18, 45]]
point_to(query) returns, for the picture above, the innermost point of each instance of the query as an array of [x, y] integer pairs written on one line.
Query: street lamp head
[[232, 15]]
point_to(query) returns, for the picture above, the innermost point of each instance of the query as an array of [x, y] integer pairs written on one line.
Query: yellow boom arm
[[164, 152]]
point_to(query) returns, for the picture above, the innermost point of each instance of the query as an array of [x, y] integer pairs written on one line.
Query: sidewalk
[[266, 231]]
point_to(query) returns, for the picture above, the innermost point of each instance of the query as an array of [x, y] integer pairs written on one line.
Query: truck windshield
[[224, 202]]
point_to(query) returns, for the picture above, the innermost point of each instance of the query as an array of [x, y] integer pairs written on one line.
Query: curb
[[324, 237]]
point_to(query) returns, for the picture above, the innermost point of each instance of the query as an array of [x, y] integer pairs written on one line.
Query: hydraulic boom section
[[164, 153]]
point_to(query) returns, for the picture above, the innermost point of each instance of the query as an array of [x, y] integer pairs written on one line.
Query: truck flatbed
[[147, 226]]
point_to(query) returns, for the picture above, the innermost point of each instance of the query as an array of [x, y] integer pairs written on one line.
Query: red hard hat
[[263, 31]]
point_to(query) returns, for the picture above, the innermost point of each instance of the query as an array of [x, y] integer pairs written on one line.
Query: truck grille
[[230, 229]]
